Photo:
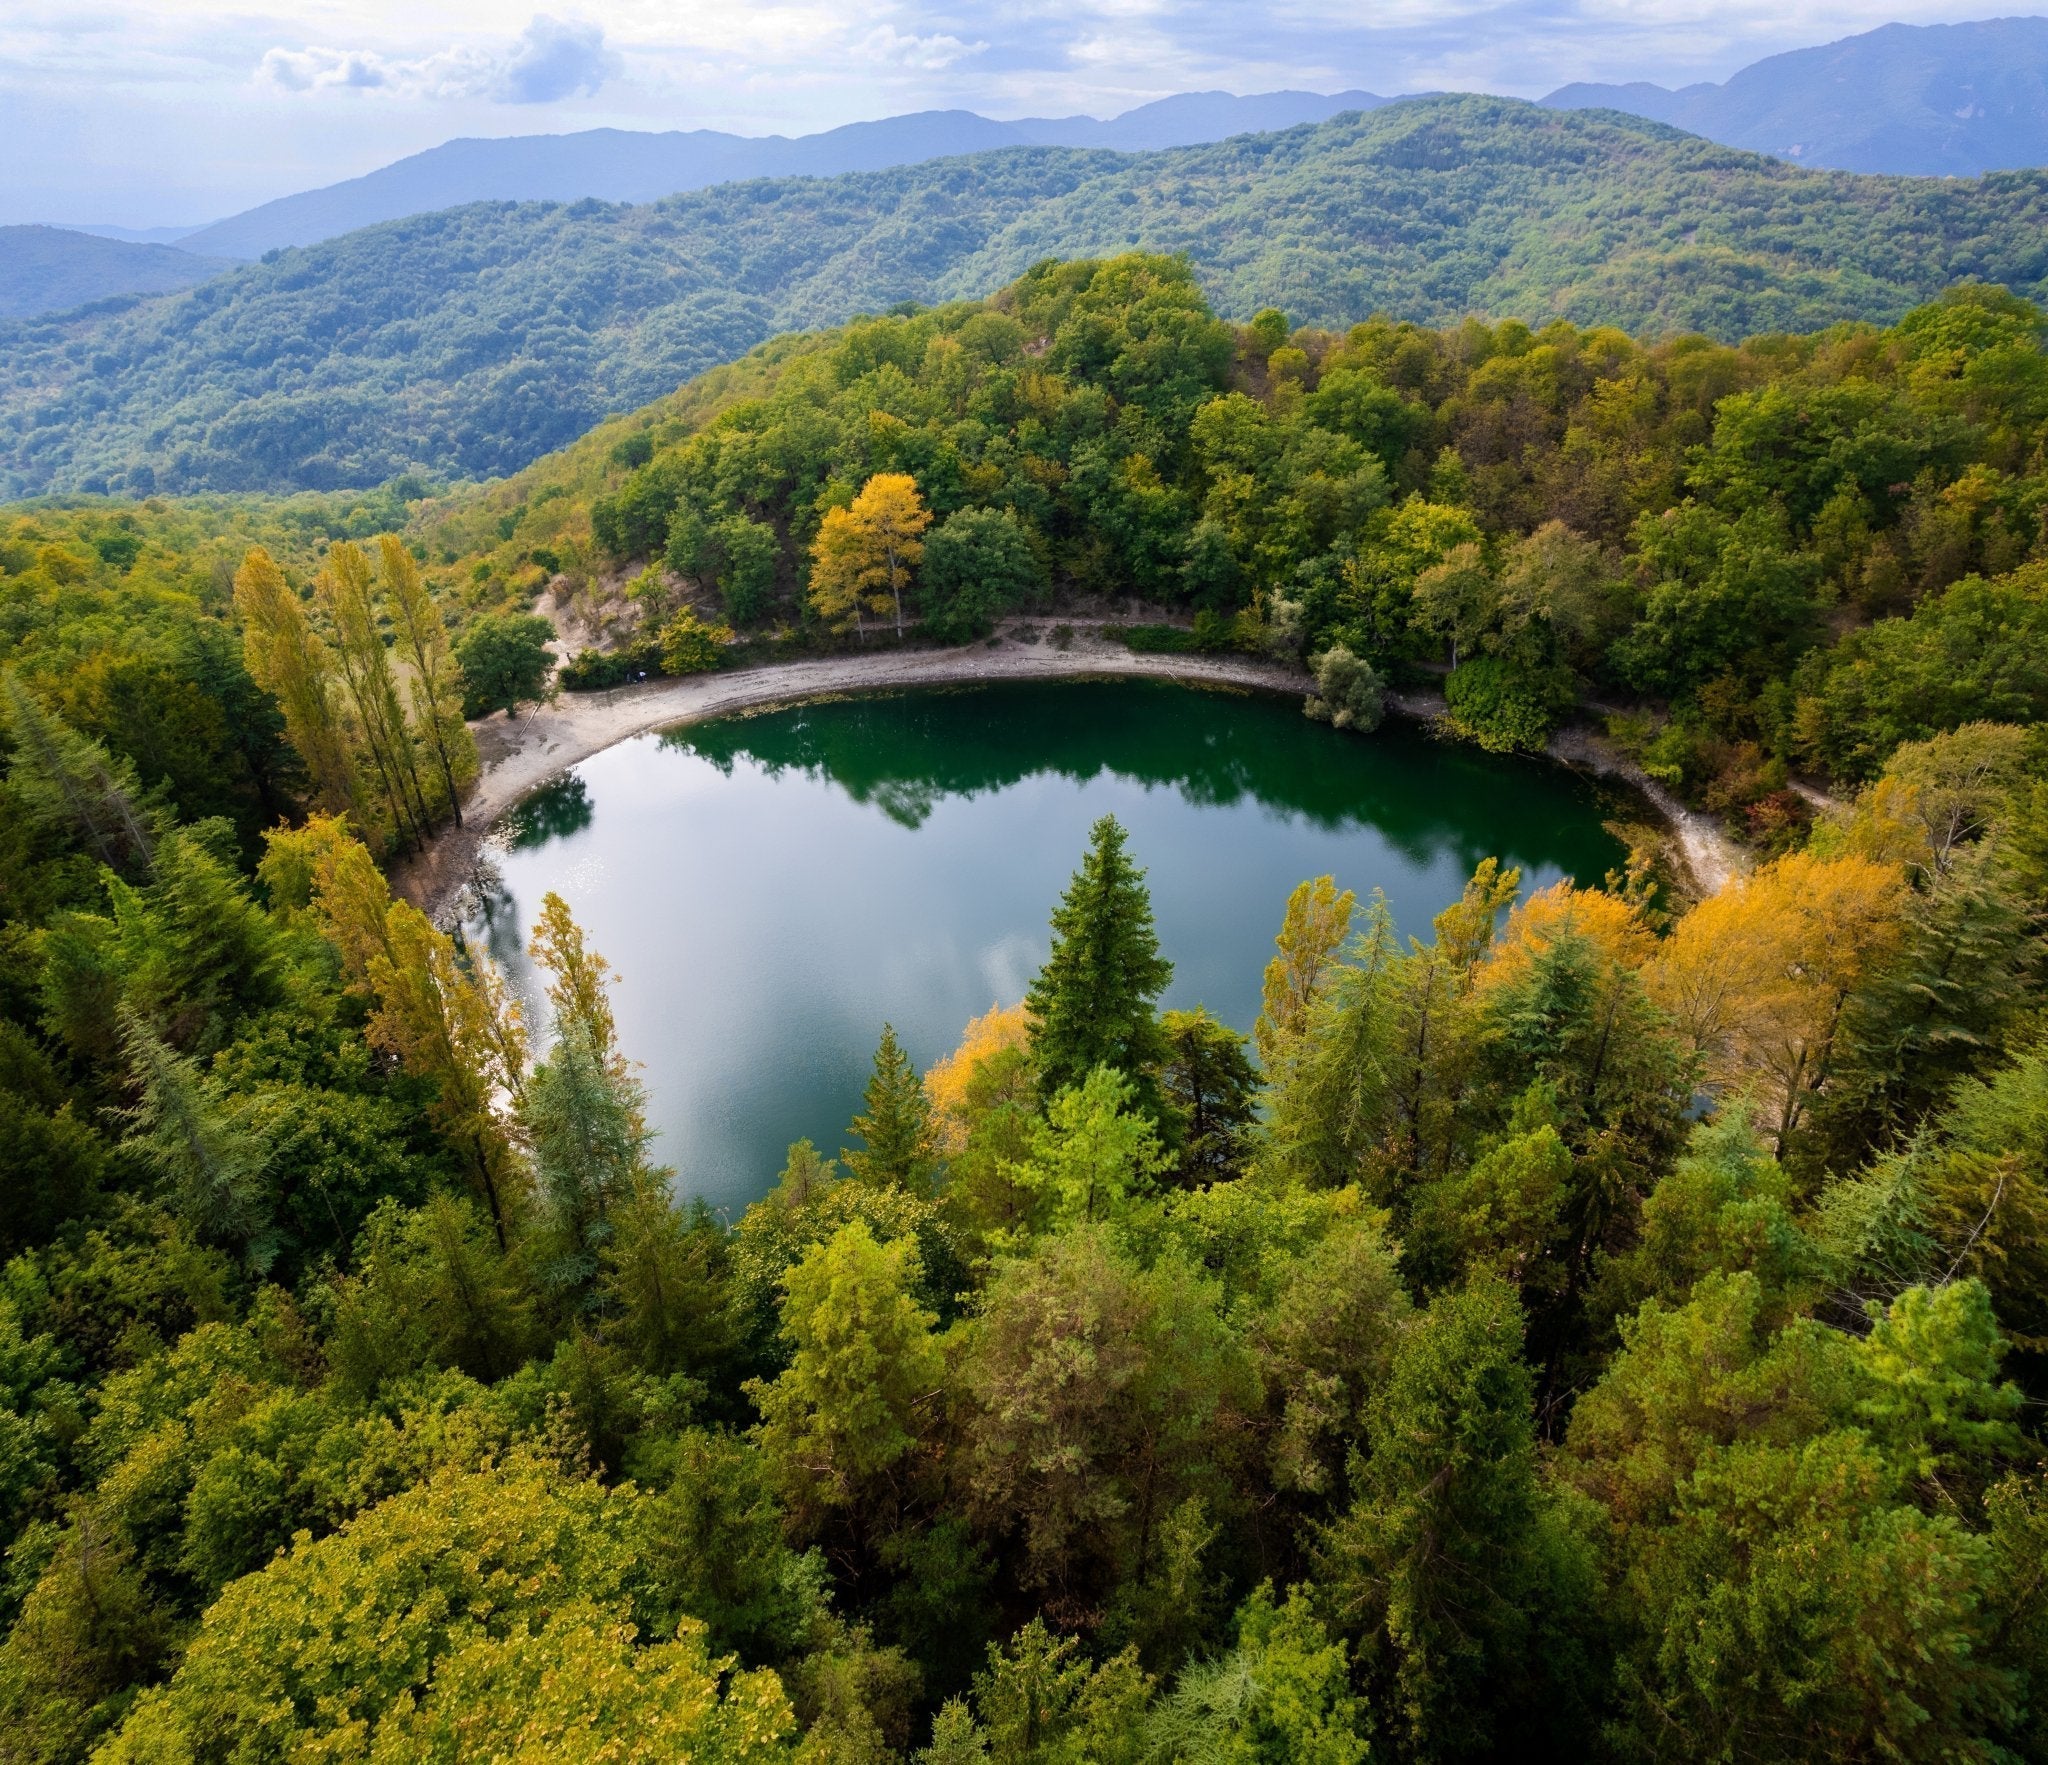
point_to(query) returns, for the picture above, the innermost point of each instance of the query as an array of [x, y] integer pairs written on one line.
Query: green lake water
[[772, 887]]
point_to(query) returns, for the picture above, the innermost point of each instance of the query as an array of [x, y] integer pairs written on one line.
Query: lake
[[772, 887]]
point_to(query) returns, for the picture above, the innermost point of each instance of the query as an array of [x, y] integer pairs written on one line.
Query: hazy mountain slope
[[49, 269], [474, 341], [1932, 100], [1195, 117], [620, 165]]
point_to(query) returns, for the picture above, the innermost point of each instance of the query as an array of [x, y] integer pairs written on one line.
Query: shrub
[[689, 646], [595, 670], [1154, 640], [1348, 695], [1506, 710]]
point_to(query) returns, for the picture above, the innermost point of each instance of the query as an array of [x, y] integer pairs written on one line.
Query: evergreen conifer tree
[[896, 1125], [63, 778], [583, 1120], [1091, 1004], [211, 1163]]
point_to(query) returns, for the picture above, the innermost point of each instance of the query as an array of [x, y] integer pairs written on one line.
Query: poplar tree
[[584, 1125], [344, 590], [1092, 1003], [583, 1111], [1313, 929], [896, 1124], [435, 683], [455, 1025], [580, 989], [286, 658]]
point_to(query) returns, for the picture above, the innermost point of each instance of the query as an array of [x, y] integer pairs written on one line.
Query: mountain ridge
[[624, 165], [469, 342], [47, 269], [1951, 100]]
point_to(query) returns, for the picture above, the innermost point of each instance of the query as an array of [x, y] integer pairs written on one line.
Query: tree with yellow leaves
[[1757, 977], [996, 1030], [1612, 924], [434, 686], [344, 591], [456, 1024], [580, 990], [1312, 930], [863, 555], [286, 658]]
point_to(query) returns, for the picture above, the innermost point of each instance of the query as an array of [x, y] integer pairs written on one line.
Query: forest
[[470, 343], [1609, 1327], [1785, 556]]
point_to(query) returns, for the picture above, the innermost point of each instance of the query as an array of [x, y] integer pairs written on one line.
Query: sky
[[170, 112]]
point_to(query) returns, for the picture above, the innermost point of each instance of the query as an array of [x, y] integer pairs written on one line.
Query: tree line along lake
[[772, 887]]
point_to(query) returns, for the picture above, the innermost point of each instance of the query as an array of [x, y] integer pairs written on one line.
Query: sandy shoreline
[[520, 755]]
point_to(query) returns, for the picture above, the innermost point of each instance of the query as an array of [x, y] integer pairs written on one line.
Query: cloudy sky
[[155, 112]]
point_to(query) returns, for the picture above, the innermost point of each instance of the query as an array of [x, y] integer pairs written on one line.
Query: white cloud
[[550, 60], [922, 54]]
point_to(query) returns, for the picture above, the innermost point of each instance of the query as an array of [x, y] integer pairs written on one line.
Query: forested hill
[[473, 341], [51, 269]]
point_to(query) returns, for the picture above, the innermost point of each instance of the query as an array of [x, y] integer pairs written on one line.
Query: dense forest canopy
[[469, 343], [1612, 1327], [1792, 553]]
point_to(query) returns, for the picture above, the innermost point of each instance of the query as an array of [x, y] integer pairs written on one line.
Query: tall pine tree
[[1092, 1003], [896, 1124]]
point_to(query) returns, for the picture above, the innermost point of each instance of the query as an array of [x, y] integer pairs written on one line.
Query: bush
[[1348, 695], [595, 670], [1154, 640], [1505, 710], [689, 646]]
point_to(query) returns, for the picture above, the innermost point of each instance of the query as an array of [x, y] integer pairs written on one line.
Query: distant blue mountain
[[1922, 100], [620, 165], [49, 269]]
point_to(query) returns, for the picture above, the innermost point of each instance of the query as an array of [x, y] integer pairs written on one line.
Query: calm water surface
[[772, 887]]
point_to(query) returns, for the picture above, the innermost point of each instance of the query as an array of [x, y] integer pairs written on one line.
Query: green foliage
[[350, 1629], [1092, 1155], [842, 1418], [1503, 711], [1208, 1084], [1282, 1694], [689, 646], [583, 1120], [1973, 652], [1437, 1564], [977, 566], [1349, 694], [896, 1125], [1091, 1004], [505, 660], [1094, 1388], [1428, 209]]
